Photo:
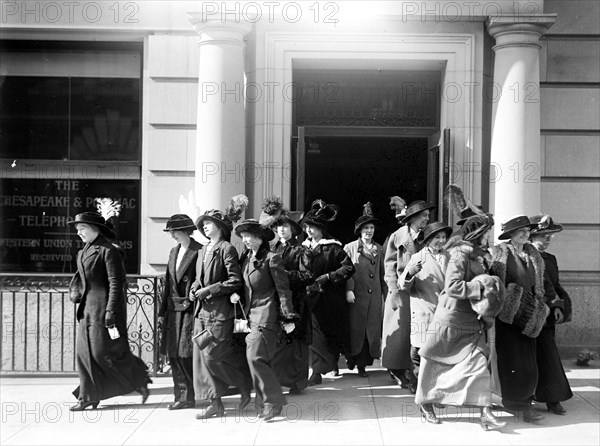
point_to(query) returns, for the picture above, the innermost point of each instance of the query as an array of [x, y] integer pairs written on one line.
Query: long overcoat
[[370, 289], [107, 367], [331, 308], [175, 306], [456, 329], [220, 365], [425, 288], [396, 315]]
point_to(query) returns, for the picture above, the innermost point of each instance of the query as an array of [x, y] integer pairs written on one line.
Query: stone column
[[515, 150], [221, 124]]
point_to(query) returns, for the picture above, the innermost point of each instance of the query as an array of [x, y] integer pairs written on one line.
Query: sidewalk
[[343, 410]]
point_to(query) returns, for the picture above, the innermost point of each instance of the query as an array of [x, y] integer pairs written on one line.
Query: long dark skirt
[[553, 385], [517, 366], [221, 365], [107, 367], [291, 362]]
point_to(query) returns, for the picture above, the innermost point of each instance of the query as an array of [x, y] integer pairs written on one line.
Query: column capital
[[216, 30], [518, 30]]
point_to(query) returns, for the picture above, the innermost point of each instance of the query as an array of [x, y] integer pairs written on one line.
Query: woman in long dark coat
[[175, 311], [553, 385], [332, 268], [365, 292], [454, 367], [521, 268], [402, 244], [220, 365], [106, 365], [268, 303], [291, 358]]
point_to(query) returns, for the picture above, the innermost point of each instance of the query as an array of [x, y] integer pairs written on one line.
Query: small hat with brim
[[179, 222], [218, 218], [253, 226], [510, 226], [366, 217], [414, 208], [432, 229], [94, 219], [293, 218], [544, 225]]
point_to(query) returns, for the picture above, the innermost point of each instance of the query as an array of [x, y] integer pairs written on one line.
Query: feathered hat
[[474, 226], [274, 213], [107, 209], [321, 214], [225, 220], [545, 225], [366, 217], [398, 205]]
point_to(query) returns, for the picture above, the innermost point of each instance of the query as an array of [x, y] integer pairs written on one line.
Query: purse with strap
[[241, 325]]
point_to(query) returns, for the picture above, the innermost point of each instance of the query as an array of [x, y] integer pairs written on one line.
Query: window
[[69, 132]]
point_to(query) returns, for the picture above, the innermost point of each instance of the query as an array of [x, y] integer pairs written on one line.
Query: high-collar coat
[[425, 288], [175, 305], [369, 287], [106, 367]]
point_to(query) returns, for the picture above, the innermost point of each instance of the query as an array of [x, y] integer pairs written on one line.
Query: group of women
[[428, 304]]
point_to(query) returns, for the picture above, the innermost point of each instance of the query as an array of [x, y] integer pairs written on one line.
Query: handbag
[[75, 289], [241, 325], [203, 339]]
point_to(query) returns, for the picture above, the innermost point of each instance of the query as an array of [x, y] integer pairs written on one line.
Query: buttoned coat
[[106, 366], [267, 294], [425, 288], [175, 306], [396, 315], [369, 287], [222, 276], [221, 365]]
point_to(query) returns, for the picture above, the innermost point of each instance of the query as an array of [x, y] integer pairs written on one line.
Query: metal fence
[[39, 324]]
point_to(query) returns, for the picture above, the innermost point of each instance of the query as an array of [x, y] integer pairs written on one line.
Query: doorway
[[349, 171]]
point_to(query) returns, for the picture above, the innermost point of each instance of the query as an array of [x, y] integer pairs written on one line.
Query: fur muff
[[492, 296], [521, 308]]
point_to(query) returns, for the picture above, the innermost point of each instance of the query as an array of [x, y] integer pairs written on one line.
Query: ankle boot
[[488, 421], [428, 414]]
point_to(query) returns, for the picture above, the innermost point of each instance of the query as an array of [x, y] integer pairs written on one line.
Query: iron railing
[[39, 326]]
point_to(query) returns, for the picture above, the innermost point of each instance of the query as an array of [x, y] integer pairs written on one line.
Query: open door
[[438, 168], [298, 164]]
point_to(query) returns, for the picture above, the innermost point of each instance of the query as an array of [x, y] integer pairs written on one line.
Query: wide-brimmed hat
[[253, 226], [432, 229], [366, 217], [544, 225], [218, 218], [321, 214], [225, 220], [94, 219], [179, 222], [518, 222], [414, 208]]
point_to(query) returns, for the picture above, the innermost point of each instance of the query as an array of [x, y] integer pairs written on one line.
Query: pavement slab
[[344, 410]]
